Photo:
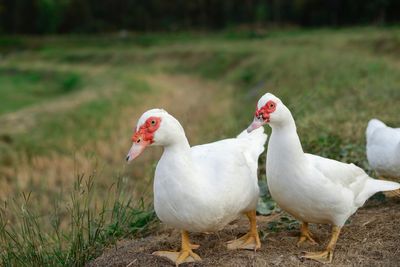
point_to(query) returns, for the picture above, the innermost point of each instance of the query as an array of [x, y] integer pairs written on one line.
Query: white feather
[[383, 148], [311, 188], [203, 188]]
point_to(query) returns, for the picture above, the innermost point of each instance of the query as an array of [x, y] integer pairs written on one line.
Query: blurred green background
[[76, 75]]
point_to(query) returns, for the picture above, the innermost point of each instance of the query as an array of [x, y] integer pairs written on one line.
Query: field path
[[24, 119], [200, 104]]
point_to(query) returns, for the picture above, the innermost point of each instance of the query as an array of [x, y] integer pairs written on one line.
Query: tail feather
[[381, 185], [373, 186], [257, 138]]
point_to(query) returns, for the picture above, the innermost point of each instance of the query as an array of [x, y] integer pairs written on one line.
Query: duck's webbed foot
[[306, 235], [251, 240], [325, 256], [185, 255]]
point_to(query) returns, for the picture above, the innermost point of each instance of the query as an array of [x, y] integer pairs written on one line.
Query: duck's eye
[[271, 105], [138, 141], [153, 122]]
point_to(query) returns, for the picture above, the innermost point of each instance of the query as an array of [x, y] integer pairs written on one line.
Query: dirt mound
[[371, 238]]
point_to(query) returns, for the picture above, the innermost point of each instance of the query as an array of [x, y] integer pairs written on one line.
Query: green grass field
[[68, 105]]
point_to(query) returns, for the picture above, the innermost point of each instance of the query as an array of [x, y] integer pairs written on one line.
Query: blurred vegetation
[[88, 16], [69, 103], [33, 87]]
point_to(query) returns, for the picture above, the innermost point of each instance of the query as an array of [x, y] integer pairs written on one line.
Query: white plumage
[[311, 188], [203, 188], [383, 148], [319, 190]]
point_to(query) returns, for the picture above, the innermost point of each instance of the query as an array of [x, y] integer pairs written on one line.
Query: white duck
[[383, 149], [311, 188], [201, 188]]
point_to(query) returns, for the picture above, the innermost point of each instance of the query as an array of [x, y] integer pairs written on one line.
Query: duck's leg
[[305, 235], [325, 256], [185, 255], [251, 240]]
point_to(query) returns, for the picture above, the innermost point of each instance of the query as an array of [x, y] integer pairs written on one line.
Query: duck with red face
[[200, 188], [143, 137], [312, 189], [263, 113]]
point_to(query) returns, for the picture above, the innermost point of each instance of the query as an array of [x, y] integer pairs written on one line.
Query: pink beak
[[257, 123], [136, 150]]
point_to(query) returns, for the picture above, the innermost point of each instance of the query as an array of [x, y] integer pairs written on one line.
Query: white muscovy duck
[[383, 149], [310, 188], [201, 188]]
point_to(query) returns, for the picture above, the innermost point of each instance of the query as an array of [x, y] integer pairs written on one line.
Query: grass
[[68, 106], [90, 228], [23, 88]]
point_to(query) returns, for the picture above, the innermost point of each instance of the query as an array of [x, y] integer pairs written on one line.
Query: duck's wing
[[350, 177], [232, 157], [345, 174]]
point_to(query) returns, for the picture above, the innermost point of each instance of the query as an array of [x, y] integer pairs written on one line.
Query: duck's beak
[[136, 150], [257, 123]]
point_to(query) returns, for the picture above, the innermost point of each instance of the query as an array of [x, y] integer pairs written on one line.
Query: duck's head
[[154, 127], [269, 110], [373, 124]]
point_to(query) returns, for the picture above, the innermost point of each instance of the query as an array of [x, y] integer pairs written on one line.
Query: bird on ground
[[311, 188], [383, 149], [201, 188]]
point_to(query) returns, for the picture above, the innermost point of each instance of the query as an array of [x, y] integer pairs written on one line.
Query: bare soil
[[370, 238]]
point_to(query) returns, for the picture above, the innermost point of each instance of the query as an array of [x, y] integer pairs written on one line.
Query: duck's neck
[[180, 146], [176, 160], [284, 143]]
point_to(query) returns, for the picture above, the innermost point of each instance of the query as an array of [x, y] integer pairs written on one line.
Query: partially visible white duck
[[311, 188], [383, 149], [201, 188]]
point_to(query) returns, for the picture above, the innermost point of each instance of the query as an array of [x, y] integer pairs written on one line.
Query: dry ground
[[371, 238]]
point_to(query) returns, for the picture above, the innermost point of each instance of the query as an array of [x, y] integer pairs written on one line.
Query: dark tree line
[[63, 16]]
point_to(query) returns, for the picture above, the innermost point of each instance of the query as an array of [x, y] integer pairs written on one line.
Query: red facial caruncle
[[146, 130], [264, 112], [143, 137]]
